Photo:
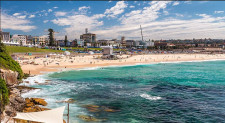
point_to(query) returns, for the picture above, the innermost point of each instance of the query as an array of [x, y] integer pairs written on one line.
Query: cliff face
[[9, 76], [16, 102]]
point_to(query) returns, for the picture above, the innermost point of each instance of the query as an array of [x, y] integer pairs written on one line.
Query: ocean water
[[163, 92]]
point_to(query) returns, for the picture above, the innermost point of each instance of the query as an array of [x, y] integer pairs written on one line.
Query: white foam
[[30, 93], [89, 68], [194, 61], [34, 80], [149, 97]]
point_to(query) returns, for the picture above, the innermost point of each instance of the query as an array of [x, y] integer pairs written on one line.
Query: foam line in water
[[149, 97], [34, 80], [194, 61], [31, 93]]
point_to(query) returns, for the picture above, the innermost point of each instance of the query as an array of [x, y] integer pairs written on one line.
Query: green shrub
[[6, 61], [4, 94]]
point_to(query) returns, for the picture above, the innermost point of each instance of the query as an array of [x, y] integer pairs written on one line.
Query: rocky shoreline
[[16, 102]]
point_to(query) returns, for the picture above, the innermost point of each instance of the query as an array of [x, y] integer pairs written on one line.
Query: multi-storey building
[[19, 40], [29, 40], [89, 38], [5, 37], [40, 40]]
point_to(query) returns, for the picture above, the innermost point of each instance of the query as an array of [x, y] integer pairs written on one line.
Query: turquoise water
[[164, 92]]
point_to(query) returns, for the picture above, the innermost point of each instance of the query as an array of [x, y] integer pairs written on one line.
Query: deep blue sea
[[163, 92]]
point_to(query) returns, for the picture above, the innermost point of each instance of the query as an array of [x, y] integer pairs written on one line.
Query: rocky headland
[[16, 102]]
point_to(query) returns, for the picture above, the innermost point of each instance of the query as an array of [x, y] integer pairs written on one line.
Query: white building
[[19, 40], [5, 37], [107, 50], [40, 41]]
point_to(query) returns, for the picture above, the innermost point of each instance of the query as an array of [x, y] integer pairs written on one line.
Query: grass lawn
[[18, 49]]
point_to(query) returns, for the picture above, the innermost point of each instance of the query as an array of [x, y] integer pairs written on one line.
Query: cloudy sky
[[113, 19]]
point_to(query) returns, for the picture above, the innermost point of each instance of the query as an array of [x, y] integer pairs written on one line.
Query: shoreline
[[89, 61], [29, 94]]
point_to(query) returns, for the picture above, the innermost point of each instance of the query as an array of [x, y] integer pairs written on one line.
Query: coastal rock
[[34, 109], [25, 89], [32, 105], [96, 108], [10, 111], [90, 118], [16, 101], [9, 76], [109, 110], [92, 108], [39, 101]]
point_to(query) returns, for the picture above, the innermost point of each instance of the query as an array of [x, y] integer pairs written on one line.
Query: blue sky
[[113, 19]]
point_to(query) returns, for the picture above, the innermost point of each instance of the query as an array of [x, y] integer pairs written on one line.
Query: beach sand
[[45, 65]]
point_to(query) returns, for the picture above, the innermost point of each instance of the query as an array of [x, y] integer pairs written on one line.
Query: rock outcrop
[[9, 76], [16, 102], [96, 108], [90, 118]]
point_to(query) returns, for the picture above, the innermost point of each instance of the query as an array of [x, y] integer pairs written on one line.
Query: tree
[[75, 43], [65, 41], [50, 36]]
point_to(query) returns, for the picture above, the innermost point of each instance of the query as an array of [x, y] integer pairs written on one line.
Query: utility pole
[[141, 33], [68, 113]]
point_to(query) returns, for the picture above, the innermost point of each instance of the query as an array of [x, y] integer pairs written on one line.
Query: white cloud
[[218, 12], [98, 16], [45, 21], [83, 9], [43, 11], [55, 7], [49, 10], [76, 24], [205, 26], [203, 15], [187, 2], [22, 17], [116, 10], [16, 14], [15, 23], [165, 12], [179, 15], [132, 6], [210, 27], [145, 15], [59, 13], [176, 3], [31, 16]]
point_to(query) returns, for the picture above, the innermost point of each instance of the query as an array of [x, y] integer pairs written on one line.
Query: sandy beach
[[43, 65]]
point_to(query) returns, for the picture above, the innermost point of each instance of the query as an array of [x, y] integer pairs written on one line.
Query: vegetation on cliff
[[4, 94], [6, 61]]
